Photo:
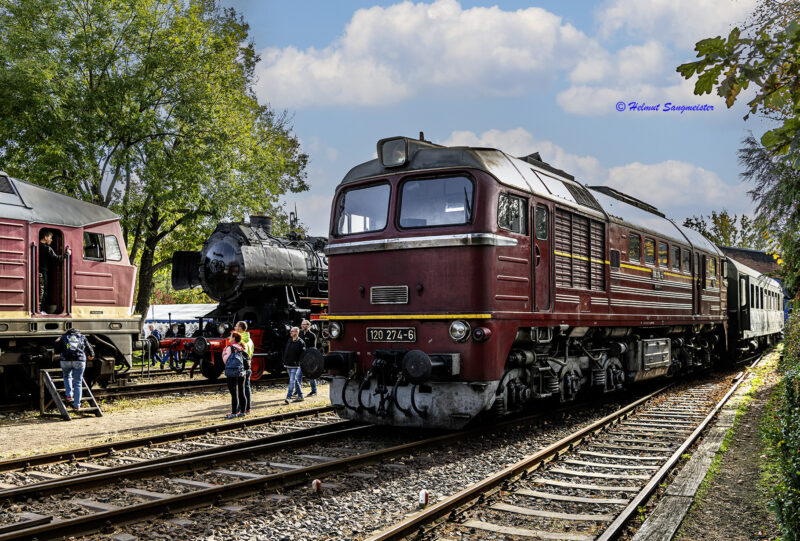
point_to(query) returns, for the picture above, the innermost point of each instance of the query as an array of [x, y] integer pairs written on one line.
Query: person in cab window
[[48, 259]]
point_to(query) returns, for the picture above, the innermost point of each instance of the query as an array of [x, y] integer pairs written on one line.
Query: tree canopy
[[724, 229], [146, 107]]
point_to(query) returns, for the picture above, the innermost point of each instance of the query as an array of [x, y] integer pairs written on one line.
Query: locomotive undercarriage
[[411, 388]]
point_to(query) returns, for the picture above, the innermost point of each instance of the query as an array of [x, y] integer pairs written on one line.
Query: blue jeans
[[295, 377], [313, 383], [73, 380], [247, 375]]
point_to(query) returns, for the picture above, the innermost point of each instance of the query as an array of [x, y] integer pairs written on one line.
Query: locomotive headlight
[[335, 329], [459, 330], [221, 329], [393, 152]]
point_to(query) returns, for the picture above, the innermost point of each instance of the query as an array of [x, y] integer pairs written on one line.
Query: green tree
[[146, 107], [725, 229], [764, 53]]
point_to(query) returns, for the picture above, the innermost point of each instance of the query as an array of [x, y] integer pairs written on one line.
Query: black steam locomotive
[[270, 282]]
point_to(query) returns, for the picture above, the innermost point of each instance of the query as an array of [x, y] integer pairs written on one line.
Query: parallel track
[[597, 477]]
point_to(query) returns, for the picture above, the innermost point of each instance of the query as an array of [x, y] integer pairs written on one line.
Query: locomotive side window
[[361, 210], [93, 246], [676, 258], [511, 214], [649, 251], [634, 247], [541, 223], [663, 254], [113, 253], [687, 259], [713, 267], [438, 201]]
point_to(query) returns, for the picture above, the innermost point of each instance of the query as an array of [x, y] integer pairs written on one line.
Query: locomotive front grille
[[388, 295]]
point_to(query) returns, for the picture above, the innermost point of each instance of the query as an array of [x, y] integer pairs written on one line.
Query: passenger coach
[[466, 281]]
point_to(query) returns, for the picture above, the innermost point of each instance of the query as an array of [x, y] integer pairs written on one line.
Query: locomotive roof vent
[[625, 198], [536, 159]]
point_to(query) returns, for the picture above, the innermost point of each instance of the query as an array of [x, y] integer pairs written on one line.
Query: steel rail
[[269, 482], [413, 524], [95, 451], [615, 528], [144, 389], [191, 461]]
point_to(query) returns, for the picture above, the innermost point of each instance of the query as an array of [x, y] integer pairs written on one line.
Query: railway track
[[583, 487], [191, 385]]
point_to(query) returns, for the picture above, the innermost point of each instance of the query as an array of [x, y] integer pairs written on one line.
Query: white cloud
[[678, 189], [684, 22], [388, 54]]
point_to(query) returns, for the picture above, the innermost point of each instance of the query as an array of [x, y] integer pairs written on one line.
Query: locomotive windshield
[[361, 210], [436, 201]]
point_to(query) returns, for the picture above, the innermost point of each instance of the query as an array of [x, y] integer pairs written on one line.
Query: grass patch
[[756, 381]]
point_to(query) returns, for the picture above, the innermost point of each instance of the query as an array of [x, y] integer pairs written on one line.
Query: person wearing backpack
[[249, 347], [234, 355], [75, 350]]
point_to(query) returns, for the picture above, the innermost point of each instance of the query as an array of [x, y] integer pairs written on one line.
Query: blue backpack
[[234, 366], [73, 347]]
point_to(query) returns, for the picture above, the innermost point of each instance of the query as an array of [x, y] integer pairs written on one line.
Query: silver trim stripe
[[651, 293], [567, 298], [647, 304], [645, 280], [412, 243], [596, 300]]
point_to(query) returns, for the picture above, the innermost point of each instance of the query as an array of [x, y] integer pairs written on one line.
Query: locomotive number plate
[[391, 334]]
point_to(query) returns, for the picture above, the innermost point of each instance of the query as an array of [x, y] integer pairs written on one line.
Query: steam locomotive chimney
[[262, 221]]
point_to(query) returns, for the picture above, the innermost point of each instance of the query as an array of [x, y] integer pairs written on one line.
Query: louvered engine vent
[[388, 295]]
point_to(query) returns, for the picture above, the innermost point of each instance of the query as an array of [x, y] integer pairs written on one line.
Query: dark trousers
[[42, 289], [247, 388], [238, 400]]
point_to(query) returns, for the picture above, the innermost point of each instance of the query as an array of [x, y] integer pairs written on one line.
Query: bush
[[787, 494]]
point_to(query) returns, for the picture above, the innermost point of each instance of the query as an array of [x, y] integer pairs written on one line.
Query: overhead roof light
[[393, 152]]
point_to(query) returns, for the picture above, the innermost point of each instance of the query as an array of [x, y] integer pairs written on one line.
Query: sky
[[523, 77]]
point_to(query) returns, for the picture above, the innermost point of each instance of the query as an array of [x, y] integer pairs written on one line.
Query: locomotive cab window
[[113, 252], [541, 223], [634, 247], [362, 210], [93, 246], [614, 259], [663, 254], [437, 202], [511, 214], [649, 251], [676, 258]]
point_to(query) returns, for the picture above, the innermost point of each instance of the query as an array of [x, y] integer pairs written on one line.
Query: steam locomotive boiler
[[470, 283], [272, 283]]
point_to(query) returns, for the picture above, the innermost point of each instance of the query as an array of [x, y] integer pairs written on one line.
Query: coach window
[[113, 253], [614, 259], [687, 260], [752, 296], [541, 222], [362, 210], [634, 248], [434, 202], [649, 251], [713, 267], [93, 246], [676, 258], [511, 214]]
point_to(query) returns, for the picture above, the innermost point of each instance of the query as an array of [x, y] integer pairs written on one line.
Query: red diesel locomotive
[[466, 282], [91, 290]]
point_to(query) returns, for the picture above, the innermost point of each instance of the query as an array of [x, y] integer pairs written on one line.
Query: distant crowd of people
[[237, 358]]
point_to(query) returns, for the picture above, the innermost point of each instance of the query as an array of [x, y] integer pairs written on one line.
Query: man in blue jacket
[[75, 350]]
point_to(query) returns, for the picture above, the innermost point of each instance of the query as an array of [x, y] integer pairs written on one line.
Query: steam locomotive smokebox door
[[185, 270]]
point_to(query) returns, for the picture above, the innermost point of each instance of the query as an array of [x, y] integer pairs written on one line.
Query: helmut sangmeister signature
[[667, 107]]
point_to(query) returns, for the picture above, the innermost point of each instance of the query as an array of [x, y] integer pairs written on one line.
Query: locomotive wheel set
[[467, 283]]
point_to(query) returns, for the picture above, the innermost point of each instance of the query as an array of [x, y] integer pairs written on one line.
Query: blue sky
[[520, 76]]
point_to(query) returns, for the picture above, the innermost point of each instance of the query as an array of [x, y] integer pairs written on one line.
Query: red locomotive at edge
[[466, 282], [91, 290]]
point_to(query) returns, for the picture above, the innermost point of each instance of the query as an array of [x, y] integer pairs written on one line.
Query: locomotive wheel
[[257, 366], [209, 369]]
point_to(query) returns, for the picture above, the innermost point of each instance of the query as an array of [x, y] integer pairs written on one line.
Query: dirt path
[[31, 434], [735, 505]]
